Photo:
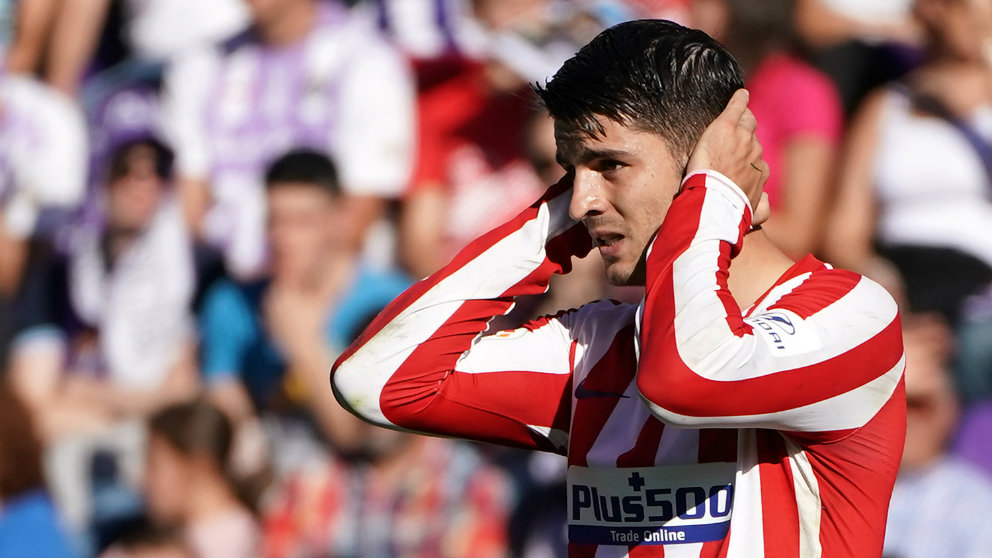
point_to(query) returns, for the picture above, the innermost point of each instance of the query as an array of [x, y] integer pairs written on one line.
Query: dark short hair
[[757, 29], [195, 428], [304, 166], [652, 75], [120, 158]]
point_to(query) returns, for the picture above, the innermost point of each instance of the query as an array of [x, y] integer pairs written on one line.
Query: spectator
[[60, 40], [304, 75], [406, 496], [972, 440], [42, 173], [860, 45], [800, 115], [914, 210], [472, 170], [146, 539], [939, 501], [268, 344], [187, 480], [29, 523], [127, 333], [109, 340]]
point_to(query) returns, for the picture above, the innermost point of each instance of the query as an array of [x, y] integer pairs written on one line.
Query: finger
[[748, 121], [735, 107], [762, 211]]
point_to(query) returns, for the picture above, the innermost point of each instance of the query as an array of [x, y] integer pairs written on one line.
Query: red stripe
[[682, 391], [613, 372], [819, 291], [582, 550], [780, 513], [646, 448], [646, 551], [809, 264], [732, 310], [717, 444], [855, 479]]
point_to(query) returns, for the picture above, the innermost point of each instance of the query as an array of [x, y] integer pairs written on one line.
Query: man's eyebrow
[[584, 155]]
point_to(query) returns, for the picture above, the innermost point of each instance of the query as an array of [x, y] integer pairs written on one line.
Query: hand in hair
[[729, 146]]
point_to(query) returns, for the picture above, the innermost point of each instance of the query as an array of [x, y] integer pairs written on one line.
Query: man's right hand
[[730, 147]]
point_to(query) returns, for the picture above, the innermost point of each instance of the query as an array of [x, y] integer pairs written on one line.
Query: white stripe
[[807, 500], [612, 551], [679, 446], [852, 409], [363, 376], [557, 437], [521, 349], [687, 550], [747, 538]]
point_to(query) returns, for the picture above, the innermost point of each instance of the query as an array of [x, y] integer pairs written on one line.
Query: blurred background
[[203, 202]]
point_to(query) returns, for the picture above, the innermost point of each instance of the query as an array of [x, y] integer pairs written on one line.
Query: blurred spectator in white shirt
[[305, 74], [940, 502]]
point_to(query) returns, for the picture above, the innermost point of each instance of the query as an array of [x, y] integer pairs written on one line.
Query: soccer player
[[749, 405]]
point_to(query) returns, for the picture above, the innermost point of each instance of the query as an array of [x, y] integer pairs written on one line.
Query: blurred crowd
[[203, 203]]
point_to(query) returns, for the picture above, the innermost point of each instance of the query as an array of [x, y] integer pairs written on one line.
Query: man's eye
[[607, 165]]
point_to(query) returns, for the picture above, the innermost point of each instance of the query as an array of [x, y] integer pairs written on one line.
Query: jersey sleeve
[[819, 362], [425, 365]]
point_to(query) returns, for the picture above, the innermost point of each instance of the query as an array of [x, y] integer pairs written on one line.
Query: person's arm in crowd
[[818, 362], [421, 229], [75, 35], [821, 27], [805, 194], [850, 230], [375, 144], [425, 363], [194, 200], [297, 326], [181, 382], [186, 91], [15, 253], [224, 322], [34, 20]]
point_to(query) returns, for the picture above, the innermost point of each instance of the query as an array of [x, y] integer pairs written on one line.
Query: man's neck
[[291, 26], [759, 265]]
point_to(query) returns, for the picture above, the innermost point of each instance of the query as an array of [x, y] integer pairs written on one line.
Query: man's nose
[[587, 196]]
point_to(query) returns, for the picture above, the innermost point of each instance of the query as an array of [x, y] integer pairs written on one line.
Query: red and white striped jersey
[[691, 428]]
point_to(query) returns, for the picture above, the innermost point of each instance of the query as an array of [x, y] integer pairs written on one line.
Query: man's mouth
[[606, 240], [608, 244]]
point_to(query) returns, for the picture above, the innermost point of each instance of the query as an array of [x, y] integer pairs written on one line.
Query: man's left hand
[[730, 147]]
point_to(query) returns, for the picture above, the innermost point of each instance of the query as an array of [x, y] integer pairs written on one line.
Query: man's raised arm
[[422, 365], [822, 355]]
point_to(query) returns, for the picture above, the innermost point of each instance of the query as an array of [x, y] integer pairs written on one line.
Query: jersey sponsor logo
[[783, 322], [783, 332], [582, 392], [650, 505]]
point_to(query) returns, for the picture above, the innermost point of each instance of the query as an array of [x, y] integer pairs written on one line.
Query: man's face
[[624, 184], [303, 224], [267, 12], [133, 197]]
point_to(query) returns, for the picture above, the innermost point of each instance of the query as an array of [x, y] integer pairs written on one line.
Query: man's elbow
[[352, 393]]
